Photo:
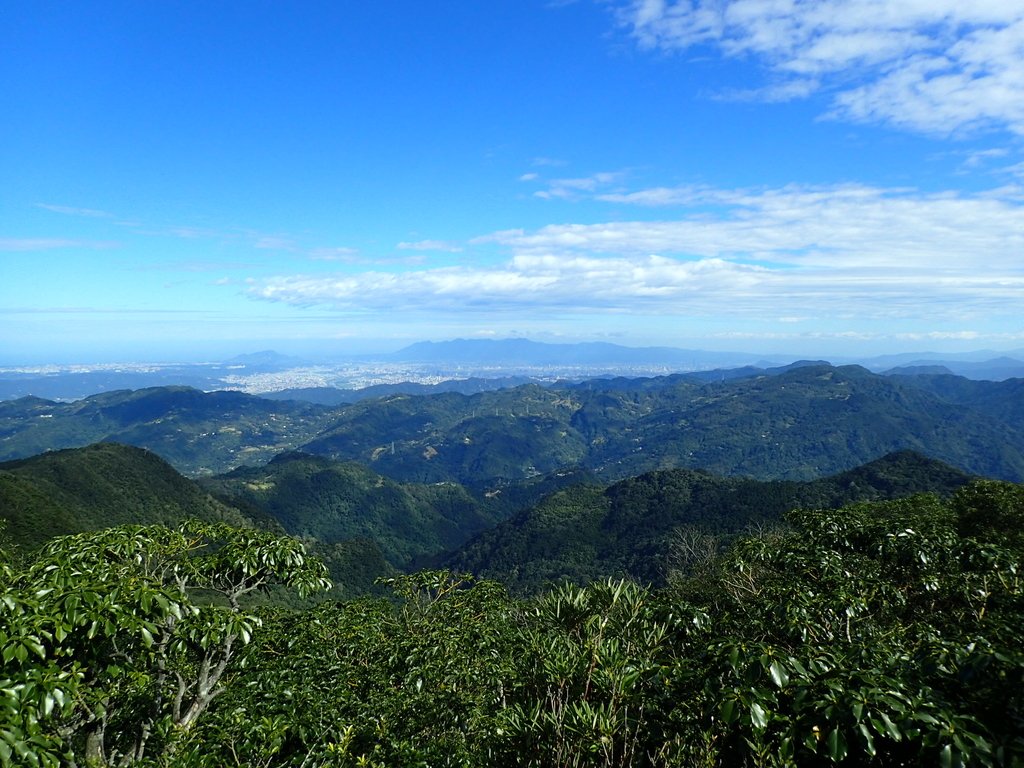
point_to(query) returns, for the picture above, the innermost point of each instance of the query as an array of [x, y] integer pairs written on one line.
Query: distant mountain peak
[[521, 351]]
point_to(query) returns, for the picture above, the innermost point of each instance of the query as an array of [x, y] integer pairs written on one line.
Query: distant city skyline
[[825, 178]]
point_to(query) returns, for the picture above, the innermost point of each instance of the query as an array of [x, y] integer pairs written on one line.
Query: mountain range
[[647, 526], [524, 352], [798, 422], [528, 483], [455, 360], [366, 526]]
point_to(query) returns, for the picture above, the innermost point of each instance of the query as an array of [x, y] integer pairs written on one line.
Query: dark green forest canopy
[[99, 486], [329, 501], [197, 432], [801, 423], [366, 525], [881, 633], [635, 528]]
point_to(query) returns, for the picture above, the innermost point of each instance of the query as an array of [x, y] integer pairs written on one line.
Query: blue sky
[[190, 180]]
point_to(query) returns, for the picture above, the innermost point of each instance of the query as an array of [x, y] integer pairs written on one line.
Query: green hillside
[[796, 423], [480, 439], [313, 497], [99, 486], [639, 527], [805, 423], [107, 484], [198, 432], [1002, 399]]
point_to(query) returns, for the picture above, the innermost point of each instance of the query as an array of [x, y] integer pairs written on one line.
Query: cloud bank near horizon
[[867, 250]]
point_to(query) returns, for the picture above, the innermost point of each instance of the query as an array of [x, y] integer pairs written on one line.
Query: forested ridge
[[528, 535], [796, 423], [631, 528], [98, 486]]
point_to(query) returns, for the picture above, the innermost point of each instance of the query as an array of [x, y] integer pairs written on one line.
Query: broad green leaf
[[727, 710], [869, 740], [758, 716], [890, 726], [779, 674], [836, 744]]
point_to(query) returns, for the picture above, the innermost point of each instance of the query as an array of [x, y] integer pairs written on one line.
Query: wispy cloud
[[1016, 170], [569, 189], [443, 246], [52, 243], [274, 243], [981, 157], [193, 265], [940, 66], [849, 224], [796, 252], [236, 236], [659, 196], [72, 211], [196, 233], [547, 162], [342, 254]]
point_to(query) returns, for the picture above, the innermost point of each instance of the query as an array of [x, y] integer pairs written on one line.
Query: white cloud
[[72, 211], [778, 92], [943, 335], [795, 252], [1015, 170], [430, 245], [981, 157], [194, 233], [568, 189], [933, 66], [274, 243], [548, 162], [342, 254], [657, 196], [526, 282], [805, 226]]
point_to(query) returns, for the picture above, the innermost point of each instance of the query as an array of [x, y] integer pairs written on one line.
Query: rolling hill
[[99, 486], [366, 525], [634, 527], [799, 422], [198, 432], [316, 498], [108, 484]]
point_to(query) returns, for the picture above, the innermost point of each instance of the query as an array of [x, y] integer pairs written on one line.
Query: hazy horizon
[[313, 352]]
